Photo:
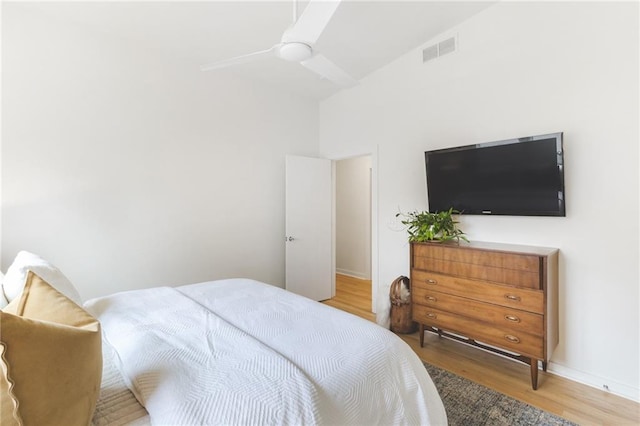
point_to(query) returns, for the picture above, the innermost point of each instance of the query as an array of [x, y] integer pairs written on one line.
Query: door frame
[[374, 221]]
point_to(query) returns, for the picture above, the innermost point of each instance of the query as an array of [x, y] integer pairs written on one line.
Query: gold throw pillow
[[51, 359]]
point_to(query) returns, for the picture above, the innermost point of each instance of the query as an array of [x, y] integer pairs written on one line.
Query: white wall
[[353, 217], [128, 170], [1, 270], [523, 69]]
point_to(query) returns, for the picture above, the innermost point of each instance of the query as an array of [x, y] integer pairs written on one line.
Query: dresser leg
[[534, 373], [544, 366], [421, 335]]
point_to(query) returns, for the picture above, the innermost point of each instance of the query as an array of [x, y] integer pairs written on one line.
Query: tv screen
[[519, 177]]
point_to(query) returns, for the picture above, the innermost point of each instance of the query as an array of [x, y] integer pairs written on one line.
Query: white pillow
[[16, 276], [3, 300]]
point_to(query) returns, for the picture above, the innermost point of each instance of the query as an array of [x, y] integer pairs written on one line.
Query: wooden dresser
[[500, 297]]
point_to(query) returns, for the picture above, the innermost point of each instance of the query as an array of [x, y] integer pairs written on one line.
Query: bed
[[239, 351], [243, 352]]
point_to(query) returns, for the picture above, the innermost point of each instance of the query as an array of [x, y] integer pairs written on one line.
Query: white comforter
[[243, 352]]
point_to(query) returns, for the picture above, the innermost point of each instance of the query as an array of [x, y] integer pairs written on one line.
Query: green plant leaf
[[437, 226]]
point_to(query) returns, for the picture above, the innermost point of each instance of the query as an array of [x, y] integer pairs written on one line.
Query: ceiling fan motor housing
[[295, 51]]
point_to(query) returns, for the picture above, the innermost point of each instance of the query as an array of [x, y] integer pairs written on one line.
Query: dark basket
[[401, 321]]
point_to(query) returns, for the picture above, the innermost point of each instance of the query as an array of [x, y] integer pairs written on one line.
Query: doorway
[[353, 218]]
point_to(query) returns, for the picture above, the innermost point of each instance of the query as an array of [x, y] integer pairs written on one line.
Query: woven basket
[[401, 321]]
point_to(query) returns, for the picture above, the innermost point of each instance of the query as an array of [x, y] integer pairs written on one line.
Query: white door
[[308, 227]]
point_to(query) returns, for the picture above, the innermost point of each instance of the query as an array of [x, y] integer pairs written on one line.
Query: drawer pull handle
[[431, 299], [431, 281], [512, 339], [512, 318], [432, 316], [512, 297]]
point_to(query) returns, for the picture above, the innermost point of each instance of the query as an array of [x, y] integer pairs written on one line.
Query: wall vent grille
[[442, 48], [430, 53]]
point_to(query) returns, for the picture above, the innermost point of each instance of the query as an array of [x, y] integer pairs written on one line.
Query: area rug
[[468, 403]]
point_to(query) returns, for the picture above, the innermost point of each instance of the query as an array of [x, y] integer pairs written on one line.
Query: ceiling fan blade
[[327, 69], [242, 59], [311, 23]]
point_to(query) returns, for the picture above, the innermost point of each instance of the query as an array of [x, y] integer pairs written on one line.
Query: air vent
[[447, 46], [430, 53], [439, 49]]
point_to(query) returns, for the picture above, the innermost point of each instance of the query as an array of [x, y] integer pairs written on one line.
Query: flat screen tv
[[517, 177]]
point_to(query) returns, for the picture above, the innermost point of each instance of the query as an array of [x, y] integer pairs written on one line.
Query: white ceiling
[[361, 37]]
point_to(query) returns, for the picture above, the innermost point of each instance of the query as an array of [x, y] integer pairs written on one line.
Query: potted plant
[[438, 226]]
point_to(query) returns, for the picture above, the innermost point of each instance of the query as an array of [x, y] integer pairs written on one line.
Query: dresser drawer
[[518, 261], [519, 342], [528, 279], [500, 316], [517, 298]]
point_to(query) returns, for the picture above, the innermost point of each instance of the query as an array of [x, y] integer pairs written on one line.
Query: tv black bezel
[[558, 136]]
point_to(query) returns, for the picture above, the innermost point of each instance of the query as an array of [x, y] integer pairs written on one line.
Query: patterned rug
[[468, 403]]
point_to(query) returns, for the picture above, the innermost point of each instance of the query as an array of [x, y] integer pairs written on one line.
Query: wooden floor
[[573, 401]]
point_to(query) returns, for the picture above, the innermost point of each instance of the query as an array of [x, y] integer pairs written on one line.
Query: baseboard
[[353, 274], [607, 385]]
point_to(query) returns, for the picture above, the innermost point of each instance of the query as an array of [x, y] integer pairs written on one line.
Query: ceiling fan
[[296, 44]]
